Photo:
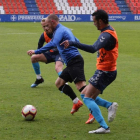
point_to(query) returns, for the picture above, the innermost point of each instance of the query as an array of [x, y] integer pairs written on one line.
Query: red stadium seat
[[60, 11], [119, 12], [42, 12], [47, 12], [51, 11], [138, 11], [107, 8], [6, 11], [11, 11], [79, 4], [114, 12], [106, 4], [16, 11], [21, 11], [103, 7], [26, 12], [110, 12], [56, 12]]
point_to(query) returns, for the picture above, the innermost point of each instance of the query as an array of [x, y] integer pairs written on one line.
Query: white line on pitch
[[17, 33]]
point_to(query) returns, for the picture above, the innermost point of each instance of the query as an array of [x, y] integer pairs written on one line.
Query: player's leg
[[98, 82], [112, 107], [66, 89], [35, 59], [101, 80], [101, 102], [59, 63], [76, 72], [90, 95], [58, 67], [106, 79]]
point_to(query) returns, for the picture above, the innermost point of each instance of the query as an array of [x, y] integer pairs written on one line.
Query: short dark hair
[[101, 14], [53, 16]]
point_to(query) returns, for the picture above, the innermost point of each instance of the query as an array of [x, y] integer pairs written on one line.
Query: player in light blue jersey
[[74, 72]]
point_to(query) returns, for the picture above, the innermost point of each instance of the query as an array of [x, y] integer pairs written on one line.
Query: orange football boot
[[90, 119], [76, 107]]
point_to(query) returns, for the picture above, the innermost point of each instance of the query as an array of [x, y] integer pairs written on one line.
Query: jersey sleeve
[[41, 41], [105, 40], [45, 48]]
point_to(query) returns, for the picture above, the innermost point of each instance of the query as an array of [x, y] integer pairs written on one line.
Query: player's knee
[[80, 85], [58, 67], [57, 83], [33, 58]]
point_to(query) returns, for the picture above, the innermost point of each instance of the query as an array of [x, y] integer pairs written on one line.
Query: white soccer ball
[[29, 112]]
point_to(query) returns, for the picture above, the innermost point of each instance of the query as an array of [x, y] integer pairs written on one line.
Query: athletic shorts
[[53, 56], [101, 79], [74, 72]]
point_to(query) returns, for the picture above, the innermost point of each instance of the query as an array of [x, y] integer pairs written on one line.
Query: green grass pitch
[[53, 119]]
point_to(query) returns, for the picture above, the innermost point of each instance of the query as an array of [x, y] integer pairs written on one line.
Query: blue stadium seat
[[34, 13], [32, 7], [123, 6]]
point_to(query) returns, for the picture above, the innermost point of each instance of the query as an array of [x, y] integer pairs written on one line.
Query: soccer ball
[[29, 112]]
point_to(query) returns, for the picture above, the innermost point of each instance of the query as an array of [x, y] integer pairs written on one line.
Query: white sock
[[38, 76], [75, 101]]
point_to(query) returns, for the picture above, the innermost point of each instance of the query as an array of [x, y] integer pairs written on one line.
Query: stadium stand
[[110, 6], [123, 6], [14, 7], [32, 7], [48, 7], [69, 6], [1, 9], [77, 6], [134, 6]]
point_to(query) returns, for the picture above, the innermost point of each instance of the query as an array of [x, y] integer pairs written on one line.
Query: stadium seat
[[47, 12], [11, 11], [16, 11], [75, 5], [12, 6], [6, 11], [110, 12], [60, 11], [25, 11], [138, 12], [21, 11]]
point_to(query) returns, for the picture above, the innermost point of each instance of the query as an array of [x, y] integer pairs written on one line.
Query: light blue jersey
[[61, 34]]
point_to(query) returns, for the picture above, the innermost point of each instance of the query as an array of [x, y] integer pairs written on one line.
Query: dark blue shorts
[[101, 79], [53, 57]]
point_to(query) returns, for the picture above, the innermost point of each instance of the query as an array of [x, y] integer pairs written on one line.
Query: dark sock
[[82, 88], [66, 89]]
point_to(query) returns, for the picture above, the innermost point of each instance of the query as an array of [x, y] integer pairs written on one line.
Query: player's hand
[[30, 52], [65, 43]]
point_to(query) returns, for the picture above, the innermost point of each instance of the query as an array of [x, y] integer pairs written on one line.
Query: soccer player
[[71, 56], [107, 52], [46, 57]]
